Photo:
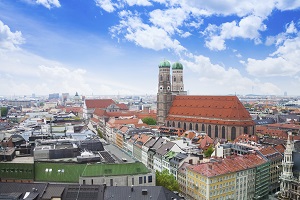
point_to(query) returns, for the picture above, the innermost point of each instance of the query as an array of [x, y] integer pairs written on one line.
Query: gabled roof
[[123, 106], [205, 142], [247, 138], [165, 148], [141, 140], [228, 165], [98, 103], [209, 109], [150, 142]]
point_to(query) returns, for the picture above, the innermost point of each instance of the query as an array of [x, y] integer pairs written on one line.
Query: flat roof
[[115, 151], [28, 159]]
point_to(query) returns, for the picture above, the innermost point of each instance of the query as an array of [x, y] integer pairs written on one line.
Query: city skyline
[[107, 47]]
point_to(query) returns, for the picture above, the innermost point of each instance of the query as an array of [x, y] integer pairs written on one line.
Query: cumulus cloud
[[8, 39], [106, 5], [287, 5], [290, 31], [144, 35], [169, 19], [49, 3], [212, 77], [138, 2], [285, 61], [248, 28]]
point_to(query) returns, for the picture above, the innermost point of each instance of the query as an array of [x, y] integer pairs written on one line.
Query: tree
[[166, 180], [209, 151], [4, 111], [99, 133], [149, 121]]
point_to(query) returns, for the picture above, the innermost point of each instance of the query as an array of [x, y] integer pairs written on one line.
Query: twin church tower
[[168, 87]]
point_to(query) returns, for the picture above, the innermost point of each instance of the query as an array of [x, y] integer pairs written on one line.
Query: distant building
[[20, 103], [53, 96]]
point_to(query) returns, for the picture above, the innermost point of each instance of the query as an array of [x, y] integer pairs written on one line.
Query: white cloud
[[106, 5], [169, 19], [214, 78], [144, 35], [186, 34], [287, 5], [247, 28], [290, 31], [8, 39], [49, 3], [283, 62], [138, 2]]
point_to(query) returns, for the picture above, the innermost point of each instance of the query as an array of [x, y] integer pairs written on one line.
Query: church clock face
[[161, 88], [168, 88], [181, 88]]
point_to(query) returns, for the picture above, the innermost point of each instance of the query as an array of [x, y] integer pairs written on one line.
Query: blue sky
[[109, 47]]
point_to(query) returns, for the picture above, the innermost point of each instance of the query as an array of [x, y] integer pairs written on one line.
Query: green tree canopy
[[4, 111], [166, 180], [99, 133], [149, 121], [209, 151]]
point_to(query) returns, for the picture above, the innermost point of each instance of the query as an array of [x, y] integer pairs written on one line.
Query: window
[[149, 179], [140, 180], [145, 179], [111, 182], [132, 181]]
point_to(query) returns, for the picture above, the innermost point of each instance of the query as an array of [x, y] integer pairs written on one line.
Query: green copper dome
[[177, 65], [165, 64]]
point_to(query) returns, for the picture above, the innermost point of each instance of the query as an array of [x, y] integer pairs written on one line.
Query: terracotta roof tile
[[228, 165], [122, 106], [98, 103], [209, 109]]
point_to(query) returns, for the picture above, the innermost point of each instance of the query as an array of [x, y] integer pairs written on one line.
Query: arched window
[[196, 127], [191, 126], [216, 131], [233, 133], [168, 78], [245, 130], [223, 132], [173, 124], [203, 127], [168, 123], [161, 78], [184, 126], [181, 78], [174, 78], [178, 125], [209, 130]]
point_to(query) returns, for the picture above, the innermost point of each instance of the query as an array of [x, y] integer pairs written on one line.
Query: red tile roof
[[122, 106], [205, 142], [280, 148], [227, 165], [98, 103], [209, 109], [247, 138], [73, 109]]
